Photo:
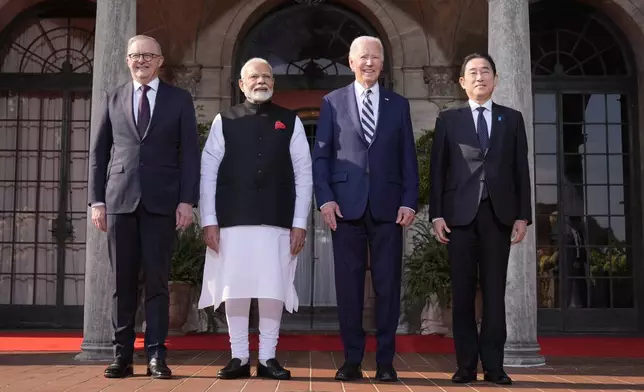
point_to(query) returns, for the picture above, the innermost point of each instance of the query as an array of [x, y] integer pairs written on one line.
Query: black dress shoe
[[234, 369], [463, 377], [273, 370], [120, 368], [349, 372], [500, 378], [386, 373], [158, 369]]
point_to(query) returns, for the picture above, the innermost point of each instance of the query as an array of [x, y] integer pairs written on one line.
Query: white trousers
[[270, 317]]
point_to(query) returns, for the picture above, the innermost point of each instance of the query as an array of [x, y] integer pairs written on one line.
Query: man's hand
[[211, 237], [99, 217], [329, 211], [441, 230], [184, 215], [405, 216], [518, 231], [298, 236]]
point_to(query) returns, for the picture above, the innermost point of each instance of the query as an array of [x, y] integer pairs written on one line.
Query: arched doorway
[[585, 132], [46, 59], [308, 48]]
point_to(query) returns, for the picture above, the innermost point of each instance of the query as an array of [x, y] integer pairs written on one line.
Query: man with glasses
[[143, 185], [256, 190]]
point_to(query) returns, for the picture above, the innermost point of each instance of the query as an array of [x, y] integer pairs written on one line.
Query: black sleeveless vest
[[255, 182]]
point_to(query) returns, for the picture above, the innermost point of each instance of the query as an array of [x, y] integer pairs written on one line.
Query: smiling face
[[478, 80], [144, 60], [257, 82], [366, 62]]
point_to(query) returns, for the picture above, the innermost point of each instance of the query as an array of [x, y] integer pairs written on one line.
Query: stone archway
[[224, 32]]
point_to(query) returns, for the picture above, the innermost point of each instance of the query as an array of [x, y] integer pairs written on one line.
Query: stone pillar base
[[523, 355], [97, 352]]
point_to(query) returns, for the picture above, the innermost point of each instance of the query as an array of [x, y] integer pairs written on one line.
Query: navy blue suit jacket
[[349, 171]]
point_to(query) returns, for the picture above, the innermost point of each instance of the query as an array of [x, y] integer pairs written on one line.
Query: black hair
[[473, 56]]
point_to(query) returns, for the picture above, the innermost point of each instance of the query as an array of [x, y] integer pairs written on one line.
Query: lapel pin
[[498, 118], [386, 99]]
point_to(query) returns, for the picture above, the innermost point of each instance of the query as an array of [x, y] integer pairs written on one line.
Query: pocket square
[[279, 125]]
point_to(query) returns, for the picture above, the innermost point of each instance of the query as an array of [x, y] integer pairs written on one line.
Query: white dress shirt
[[361, 93], [136, 98], [211, 158], [487, 114]]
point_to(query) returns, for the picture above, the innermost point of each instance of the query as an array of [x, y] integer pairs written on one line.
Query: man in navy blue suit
[[365, 176]]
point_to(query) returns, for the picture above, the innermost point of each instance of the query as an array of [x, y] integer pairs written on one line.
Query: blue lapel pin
[[498, 118]]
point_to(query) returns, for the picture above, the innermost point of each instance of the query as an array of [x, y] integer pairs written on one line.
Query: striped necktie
[[368, 123]]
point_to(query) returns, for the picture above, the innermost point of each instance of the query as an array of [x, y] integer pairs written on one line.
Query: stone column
[[115, 24], [509, 45]]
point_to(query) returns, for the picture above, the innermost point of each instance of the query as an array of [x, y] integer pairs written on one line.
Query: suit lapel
[[159, 108], [128, 107], [383, 106], [469, 127], [352, 104], [497, 128]]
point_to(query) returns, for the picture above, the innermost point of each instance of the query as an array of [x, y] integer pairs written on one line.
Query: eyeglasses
[[145, 56]]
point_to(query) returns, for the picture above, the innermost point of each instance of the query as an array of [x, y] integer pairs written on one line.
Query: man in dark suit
[[143, 184], [365, 177], [480, 203]]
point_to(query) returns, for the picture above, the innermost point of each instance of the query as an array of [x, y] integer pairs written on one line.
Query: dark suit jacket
[[457, 162], [161, 169], [351, 172]]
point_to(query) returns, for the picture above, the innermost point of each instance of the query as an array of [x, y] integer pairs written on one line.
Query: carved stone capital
[[442, 81], [184, 76]]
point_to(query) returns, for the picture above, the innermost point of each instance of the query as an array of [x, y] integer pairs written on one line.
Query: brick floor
[[312, 371]]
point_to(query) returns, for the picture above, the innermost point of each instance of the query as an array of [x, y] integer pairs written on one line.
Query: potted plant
[[185, 274], [426, 272], [426, 276]]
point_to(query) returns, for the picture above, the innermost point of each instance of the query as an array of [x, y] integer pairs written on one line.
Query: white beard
[[258, 96]]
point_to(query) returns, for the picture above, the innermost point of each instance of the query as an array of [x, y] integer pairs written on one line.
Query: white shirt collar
[[360, 89], [154, 84], [487, 105]]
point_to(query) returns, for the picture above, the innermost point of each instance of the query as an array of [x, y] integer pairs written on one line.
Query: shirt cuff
[[300, 223], [97, 204], [435, 219], [209, 220], [322, 206], [411, 209]]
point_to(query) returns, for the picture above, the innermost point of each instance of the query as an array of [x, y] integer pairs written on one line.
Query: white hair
[[358, 42], [254, 60], [144, 38]]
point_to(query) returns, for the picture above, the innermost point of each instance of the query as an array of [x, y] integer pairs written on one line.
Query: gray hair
[[363, 40], [144, 38], [254, 60]]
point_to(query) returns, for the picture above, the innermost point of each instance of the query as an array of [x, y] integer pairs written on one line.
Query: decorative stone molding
[[442, 81], [185, 76]]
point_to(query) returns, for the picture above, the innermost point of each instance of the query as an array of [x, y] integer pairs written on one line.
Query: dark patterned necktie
[[144, 111], [481, 129], [484, 141]]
